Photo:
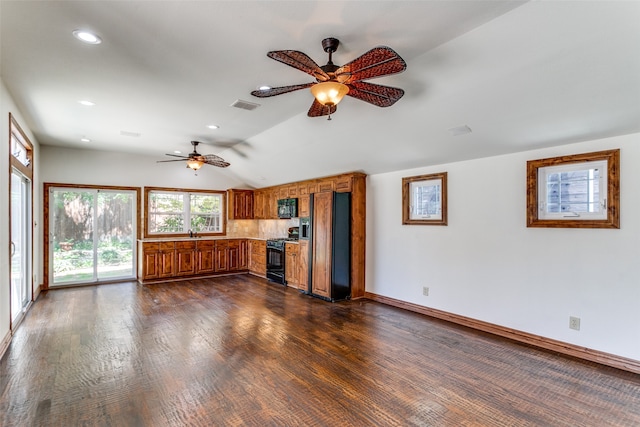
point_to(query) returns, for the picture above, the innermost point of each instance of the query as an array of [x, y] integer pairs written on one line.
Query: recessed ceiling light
[[213, 127], [177, 152], [87, 103], [85, 140], [264, 88], [87, 37]]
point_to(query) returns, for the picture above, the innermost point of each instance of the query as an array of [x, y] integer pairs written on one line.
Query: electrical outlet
[[425, 291], [574, 323]]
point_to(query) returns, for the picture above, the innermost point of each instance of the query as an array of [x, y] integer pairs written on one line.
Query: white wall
[[7, 106], [74, 166], [487, 265]]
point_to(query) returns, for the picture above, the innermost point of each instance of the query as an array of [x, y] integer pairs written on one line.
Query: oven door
[[275, 264]]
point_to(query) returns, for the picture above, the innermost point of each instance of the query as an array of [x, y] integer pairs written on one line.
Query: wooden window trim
[[223, 211], [613, 190], [406, 199]]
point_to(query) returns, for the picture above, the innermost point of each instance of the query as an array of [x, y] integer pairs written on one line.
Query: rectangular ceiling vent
[[245, 105]]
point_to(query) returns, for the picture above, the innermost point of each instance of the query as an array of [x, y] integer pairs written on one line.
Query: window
[[579, 191], [424, 199], [179, 212]]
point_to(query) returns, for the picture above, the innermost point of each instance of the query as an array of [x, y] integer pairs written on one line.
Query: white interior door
[[21, 259]]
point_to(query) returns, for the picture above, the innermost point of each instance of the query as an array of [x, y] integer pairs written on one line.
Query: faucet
[[190, 233]]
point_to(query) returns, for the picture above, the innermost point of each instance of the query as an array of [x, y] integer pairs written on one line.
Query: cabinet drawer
[[166, 246], [206, 244], [151, 247], [186, 245]]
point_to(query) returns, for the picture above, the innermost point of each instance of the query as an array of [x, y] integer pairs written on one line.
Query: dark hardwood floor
[[238, 351]]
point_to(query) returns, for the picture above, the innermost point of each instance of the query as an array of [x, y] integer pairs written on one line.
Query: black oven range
[[275, 260]]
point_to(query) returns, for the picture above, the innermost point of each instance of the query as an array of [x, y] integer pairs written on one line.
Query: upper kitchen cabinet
[[240, 204]]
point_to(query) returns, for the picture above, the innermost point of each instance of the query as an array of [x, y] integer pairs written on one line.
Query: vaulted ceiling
[[520, 75]]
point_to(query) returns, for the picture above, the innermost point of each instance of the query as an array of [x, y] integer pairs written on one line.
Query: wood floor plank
[[240, 351]]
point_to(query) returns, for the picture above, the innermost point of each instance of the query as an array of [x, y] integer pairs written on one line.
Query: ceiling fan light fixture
[[329, 93], [194, 164]]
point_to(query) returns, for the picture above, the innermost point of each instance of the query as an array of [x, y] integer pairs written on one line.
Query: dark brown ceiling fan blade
[[382, 96], [379, 61], [176, 160], [280, 90], [318, 109], [212, 159], [299, 61]]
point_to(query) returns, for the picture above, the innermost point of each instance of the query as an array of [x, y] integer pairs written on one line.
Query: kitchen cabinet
[[240, 204], [185, 257], [220, 256], [205, 257], [303, 265], [192, 258], [291, 264], [259, 201], [158, 259], [237, 255], [303, 206], [258, 257]]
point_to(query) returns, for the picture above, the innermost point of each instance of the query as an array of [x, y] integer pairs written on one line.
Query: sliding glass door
[[92, 235], [20, 245]]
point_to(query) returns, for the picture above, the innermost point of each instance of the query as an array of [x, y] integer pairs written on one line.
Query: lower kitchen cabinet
[[192, 258], [303, 264], [291, 264], [258, 257], [185, 258]]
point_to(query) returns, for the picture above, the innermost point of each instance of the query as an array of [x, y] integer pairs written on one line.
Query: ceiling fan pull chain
[[329, 112]]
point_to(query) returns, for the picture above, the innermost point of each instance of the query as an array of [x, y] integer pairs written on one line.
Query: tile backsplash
[[262, 228]]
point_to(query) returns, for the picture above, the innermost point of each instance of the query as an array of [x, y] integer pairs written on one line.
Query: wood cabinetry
[[205, 256], [258, 257], [303, 264], [291, 264], [220, 256], [185, 256], [192, 258], [240, 204]]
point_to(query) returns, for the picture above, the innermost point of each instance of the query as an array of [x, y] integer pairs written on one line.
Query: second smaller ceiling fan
[[196, 160]]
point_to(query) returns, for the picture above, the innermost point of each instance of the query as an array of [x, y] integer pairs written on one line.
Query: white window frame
[[186, 212], [608, 163], [411, 189], [543, 196]]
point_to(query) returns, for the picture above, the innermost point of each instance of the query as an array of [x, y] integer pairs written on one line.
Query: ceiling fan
[[334, 82], [195, 160]]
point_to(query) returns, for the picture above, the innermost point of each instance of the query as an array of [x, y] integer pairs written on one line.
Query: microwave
[[287, 208]]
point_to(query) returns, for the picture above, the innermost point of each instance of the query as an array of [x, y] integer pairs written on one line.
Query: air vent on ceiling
[[127, 133], [245, 105]]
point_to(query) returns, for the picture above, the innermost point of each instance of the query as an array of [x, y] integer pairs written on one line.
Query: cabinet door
[[244, 255], [258, 204], [167, 260], [303, 206], [220, 254], [205, 257], [303, 264], [151, 265], [322, 219], [233, 255], [257, 257], [291, 264], [185, 258]]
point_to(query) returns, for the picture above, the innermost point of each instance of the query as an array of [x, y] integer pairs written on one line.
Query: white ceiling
[[520, 75]]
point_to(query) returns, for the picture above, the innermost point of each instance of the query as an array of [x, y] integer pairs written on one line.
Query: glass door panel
[[115, 228], [20, 244]]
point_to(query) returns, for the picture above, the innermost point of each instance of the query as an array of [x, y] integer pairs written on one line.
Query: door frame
[[47, 186]]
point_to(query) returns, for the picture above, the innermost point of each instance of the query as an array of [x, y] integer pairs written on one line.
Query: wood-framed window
[[21, 149], [424, 199], [575, 191], [181, 212]]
